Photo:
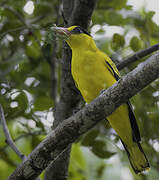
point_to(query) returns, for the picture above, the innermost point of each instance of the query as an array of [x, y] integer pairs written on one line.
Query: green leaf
[[100, 150], [150, 14], [33, 50], [118, 41], [35, 140], [39, 124], [135, 43], [107, 4], [110, 17], [22, 101], [43, 103], [88, 140], [77, 164], [42, 8], [77, 154], [100, 170], [100, 31]]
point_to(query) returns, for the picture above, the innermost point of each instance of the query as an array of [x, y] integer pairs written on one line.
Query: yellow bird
[[93, 71]]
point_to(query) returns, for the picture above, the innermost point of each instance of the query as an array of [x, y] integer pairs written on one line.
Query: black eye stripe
[[79, 30], [76, 30]]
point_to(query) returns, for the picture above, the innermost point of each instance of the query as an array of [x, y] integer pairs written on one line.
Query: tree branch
[[63, 109], [20, 137], [82, 13], [69, 96], [73, 127], [9, 140], [68, 6], [11, 30], [50, 54], [138, 55]]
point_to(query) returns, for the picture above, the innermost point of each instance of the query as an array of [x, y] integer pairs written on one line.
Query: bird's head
[[75, 36]]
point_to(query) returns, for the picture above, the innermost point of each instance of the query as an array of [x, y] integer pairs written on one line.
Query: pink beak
[[62, 32]]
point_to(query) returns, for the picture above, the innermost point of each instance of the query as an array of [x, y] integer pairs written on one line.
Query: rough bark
[[137, 56], [69, 96], [82, 13], [70, 129]]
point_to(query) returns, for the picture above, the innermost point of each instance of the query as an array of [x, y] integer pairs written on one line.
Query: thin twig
[[138, 55], [9, 140], [12, 30], [8, 137], [21, 137], [16, 13]]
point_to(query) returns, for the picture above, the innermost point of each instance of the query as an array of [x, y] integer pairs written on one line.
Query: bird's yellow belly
[[91, 78]]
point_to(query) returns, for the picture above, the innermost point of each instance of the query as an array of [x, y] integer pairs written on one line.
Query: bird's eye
[[77, 30]]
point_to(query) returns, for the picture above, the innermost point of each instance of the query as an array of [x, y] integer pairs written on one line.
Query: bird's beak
[[63, 33]]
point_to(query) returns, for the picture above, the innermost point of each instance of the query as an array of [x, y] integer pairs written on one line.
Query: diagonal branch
[[9, 140], [70, 129], [138, 55]]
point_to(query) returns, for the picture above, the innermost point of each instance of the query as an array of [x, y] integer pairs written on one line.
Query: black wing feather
[[112, 70], [136, 132], [134, 126]]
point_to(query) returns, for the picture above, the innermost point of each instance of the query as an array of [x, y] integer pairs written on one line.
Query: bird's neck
[[87, 45]]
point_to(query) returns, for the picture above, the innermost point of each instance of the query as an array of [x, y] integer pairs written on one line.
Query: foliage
[[26, 85]]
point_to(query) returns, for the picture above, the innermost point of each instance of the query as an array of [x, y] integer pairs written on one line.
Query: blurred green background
[[26, 83]]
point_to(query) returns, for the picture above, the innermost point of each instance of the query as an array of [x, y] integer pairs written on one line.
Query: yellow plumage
[[93, 71]]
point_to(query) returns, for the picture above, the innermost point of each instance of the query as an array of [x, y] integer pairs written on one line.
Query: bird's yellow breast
[[90, 73]]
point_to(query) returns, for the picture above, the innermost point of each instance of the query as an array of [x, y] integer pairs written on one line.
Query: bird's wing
[[135, 129], [136, 132], [111, 69]]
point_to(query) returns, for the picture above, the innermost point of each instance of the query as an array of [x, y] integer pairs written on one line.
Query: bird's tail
[[137, 157]]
